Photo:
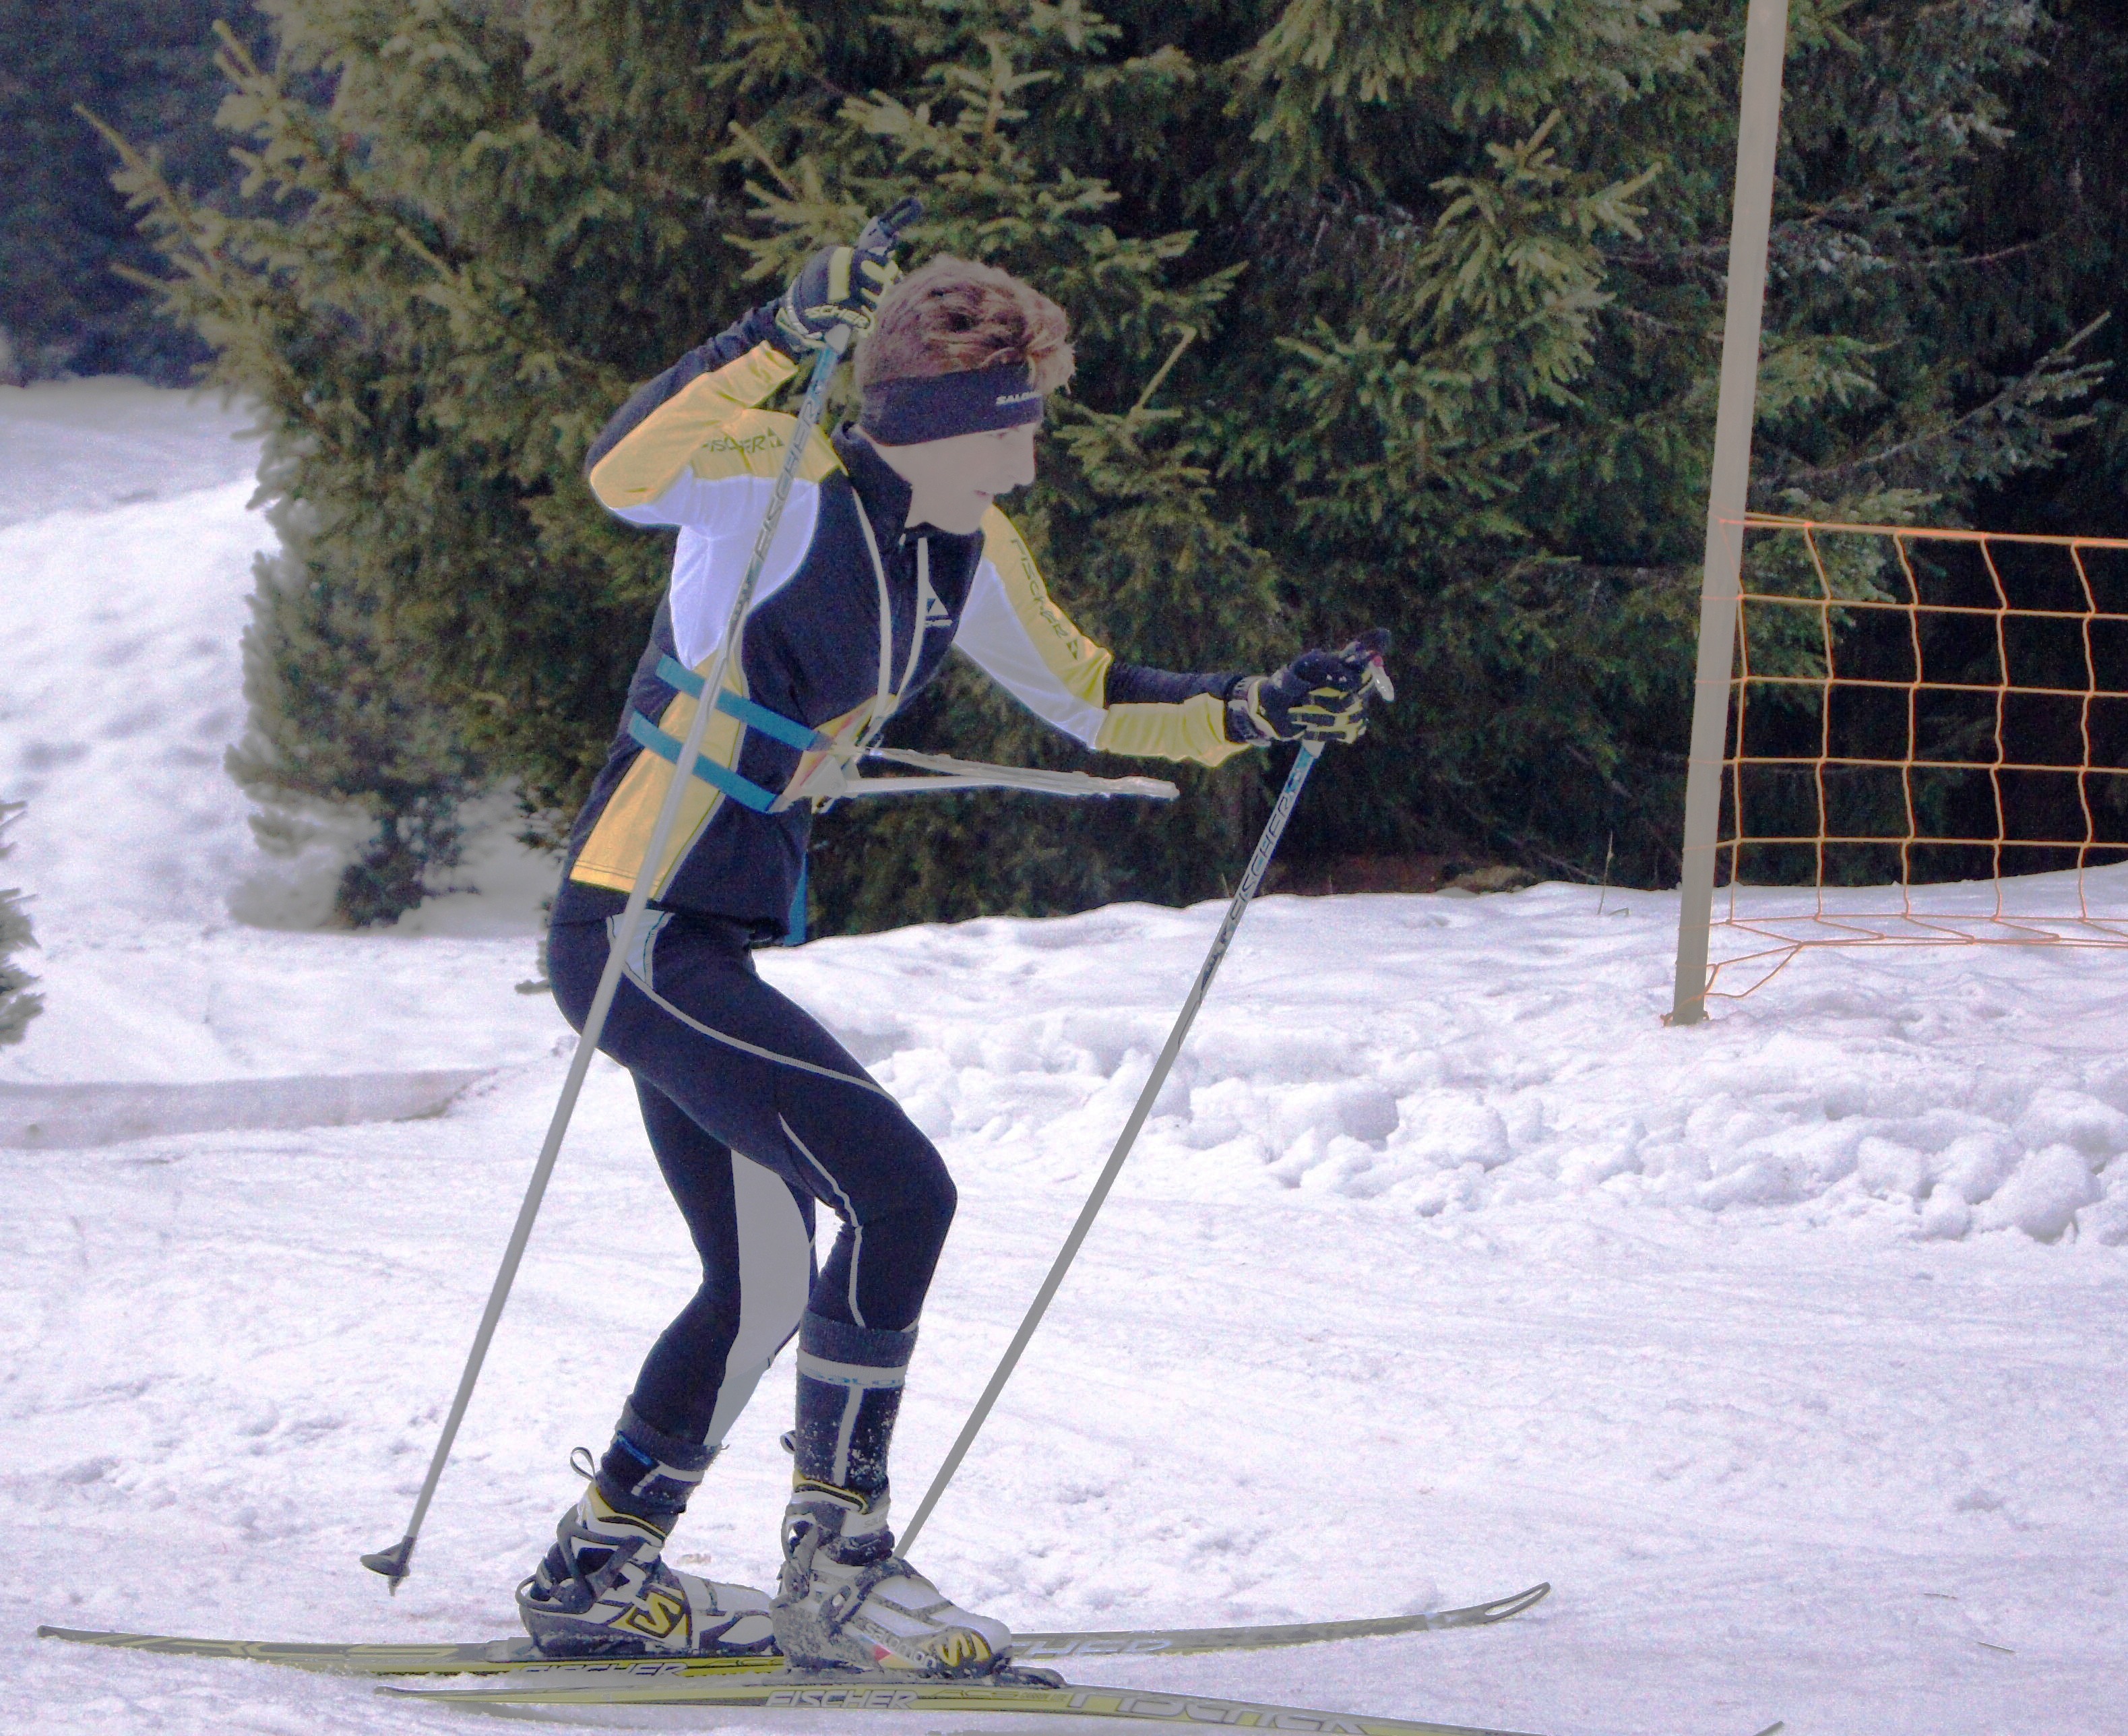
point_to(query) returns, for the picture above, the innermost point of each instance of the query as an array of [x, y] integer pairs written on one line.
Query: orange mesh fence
[[1928, 744]]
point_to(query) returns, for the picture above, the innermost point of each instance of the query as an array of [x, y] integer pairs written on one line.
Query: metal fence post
[[1750, 222]]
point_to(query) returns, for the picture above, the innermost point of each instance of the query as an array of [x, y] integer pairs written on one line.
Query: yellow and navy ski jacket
[[852, 614]]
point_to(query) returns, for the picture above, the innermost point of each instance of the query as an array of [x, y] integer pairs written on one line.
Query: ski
[[504, 1656], [642, 1681], [1181, 1642]]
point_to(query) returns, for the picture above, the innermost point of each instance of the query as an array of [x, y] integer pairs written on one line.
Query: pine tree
[[18, 1006], [342, 707], [339, 718], [1458, 377], [489, 235]]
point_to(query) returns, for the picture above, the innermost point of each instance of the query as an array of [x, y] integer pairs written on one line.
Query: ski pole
[[1281, 811], [396, 1562]]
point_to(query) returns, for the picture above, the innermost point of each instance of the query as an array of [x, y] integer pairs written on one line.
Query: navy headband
[[902, 412]]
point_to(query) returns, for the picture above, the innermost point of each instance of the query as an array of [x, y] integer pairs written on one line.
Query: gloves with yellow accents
[[1320, 695], [838, 286]]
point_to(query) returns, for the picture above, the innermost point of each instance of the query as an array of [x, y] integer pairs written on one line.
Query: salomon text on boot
[[603, 1590]]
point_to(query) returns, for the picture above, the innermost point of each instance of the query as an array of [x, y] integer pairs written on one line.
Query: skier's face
[[954, 481]]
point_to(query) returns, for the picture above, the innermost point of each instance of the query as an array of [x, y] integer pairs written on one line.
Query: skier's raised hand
[[1320, 695], [838, 286]]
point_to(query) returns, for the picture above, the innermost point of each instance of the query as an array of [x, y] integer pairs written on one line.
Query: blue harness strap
[[744, 791], [773, 724]]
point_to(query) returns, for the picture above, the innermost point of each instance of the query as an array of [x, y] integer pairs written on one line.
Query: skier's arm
[[659, 460], [1021, 640]]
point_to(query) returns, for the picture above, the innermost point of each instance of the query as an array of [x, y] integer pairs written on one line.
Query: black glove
[[1320, 695], [838, 286]]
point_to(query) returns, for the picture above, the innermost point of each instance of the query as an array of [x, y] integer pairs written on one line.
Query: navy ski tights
[[755, 1113]]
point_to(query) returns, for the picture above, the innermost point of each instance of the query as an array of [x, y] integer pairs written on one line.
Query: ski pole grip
[[1367, 652], [884, 230]]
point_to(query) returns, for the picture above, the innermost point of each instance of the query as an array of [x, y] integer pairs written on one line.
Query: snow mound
[[1453, 1057]]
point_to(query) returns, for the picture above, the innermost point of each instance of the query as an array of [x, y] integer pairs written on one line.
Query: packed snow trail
[[1766, 1468], [1790, 1348]]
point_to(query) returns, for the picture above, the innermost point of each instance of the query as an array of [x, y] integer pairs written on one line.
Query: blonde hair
[[953, 315]]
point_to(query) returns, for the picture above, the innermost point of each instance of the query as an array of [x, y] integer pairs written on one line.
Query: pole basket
[[1927, 745]]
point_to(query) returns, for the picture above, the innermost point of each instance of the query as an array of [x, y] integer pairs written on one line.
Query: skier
[[891, 552]]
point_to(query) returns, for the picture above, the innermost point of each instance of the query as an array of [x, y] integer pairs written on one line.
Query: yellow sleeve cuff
[[1195, 730]]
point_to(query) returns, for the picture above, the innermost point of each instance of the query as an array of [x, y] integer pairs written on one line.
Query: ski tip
[[1484, 1616], [1775, 1728], [394, 1563]]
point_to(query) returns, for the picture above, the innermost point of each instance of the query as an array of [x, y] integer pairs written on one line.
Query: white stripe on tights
[[775, 1275], [849, 1214], [659, 1001]]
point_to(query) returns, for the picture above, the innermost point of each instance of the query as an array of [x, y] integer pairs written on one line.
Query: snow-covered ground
[[1789, 1348]]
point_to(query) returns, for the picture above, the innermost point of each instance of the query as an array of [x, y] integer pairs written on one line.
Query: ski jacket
[[853, 613]]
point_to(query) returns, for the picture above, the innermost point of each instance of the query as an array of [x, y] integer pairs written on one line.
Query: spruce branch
[[2048, 377], [745, 136], [1144, 397]]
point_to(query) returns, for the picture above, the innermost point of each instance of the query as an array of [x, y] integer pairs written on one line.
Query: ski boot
[[603, 1591], [846, 1600]]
